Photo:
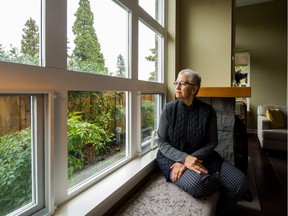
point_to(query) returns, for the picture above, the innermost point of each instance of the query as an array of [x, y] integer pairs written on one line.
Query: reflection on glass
[[150, 110], [149, 68], [96, 133], [96, 43], [15, 153]]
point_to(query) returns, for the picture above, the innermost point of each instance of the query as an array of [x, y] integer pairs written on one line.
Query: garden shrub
[[147, 109], [15, 171], [80, 135]]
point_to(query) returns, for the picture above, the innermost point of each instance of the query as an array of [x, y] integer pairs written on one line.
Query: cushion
[[275, 116]]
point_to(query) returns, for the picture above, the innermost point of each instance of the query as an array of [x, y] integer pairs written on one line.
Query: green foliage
[[153, 58], [86, 66], [147, 109], [29, 46], [121, 69], [15, 159], [96, 107], [87, 55], [3, 54], [120, 112], [13, 55], [92, 113], [15, 171], [30, 39], [80, 135]]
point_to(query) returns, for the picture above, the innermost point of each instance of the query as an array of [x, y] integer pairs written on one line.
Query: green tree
[[121, 69], [30, 39], [87, 55], [29, 53]]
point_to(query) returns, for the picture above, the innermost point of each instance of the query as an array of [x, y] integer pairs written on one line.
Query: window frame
[[149, 144], [54, 79], [42, 121], [106, 171]]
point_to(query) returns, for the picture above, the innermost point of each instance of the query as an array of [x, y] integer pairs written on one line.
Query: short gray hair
[[193, 76]]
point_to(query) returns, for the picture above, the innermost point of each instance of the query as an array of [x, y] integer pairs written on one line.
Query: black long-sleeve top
[[185, 130]]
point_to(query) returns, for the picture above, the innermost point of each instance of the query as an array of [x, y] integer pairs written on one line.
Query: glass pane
[[97, 43], [15, 153], [19, 42], [150, 109], [154, 8], [96, 133], [149, 67]]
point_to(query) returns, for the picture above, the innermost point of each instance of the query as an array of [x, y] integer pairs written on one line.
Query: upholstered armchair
[[272, 127]]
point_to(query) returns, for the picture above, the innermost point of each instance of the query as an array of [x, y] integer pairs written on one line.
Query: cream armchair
[[272, 136]]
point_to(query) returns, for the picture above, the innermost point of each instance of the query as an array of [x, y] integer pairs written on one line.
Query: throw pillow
[[276, 118]]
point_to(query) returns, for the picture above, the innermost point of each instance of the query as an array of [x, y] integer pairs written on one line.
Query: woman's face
[[183, 92]]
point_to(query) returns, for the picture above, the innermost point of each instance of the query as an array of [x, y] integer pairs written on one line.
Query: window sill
[[100, 197]]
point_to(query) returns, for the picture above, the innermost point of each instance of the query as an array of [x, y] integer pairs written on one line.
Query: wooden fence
[[15, 111]]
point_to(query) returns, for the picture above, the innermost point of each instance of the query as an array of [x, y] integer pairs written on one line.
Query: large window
[[21, 154], [20, 35], [103, 66]]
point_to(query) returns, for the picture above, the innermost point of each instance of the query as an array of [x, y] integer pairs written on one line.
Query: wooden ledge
[[225, 92]]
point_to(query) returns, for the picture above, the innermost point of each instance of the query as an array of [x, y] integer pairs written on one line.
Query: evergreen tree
[[121, 69], [87, 54], [30, 39]]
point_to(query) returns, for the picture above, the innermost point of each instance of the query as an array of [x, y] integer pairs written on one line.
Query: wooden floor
[[272, 195]]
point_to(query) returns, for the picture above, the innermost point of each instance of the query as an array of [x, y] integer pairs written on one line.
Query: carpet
[[158, 197], [157, 193]]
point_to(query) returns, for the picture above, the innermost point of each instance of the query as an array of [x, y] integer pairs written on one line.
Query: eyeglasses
[[182, 83]]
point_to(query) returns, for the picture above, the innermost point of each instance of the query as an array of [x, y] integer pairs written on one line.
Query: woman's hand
[[177, 170], [192, 163]]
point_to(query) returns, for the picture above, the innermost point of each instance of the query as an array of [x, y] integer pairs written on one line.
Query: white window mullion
[[60, 148], [135, 129], [134, 46], [54, 34], [38, 158], [49, 152]]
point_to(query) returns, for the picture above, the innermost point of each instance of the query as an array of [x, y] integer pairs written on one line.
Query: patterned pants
[[230, 181]]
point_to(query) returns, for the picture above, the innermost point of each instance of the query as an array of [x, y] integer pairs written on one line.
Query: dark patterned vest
[[187, 129]]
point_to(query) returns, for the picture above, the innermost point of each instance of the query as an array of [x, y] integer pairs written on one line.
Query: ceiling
[[241, 3]]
